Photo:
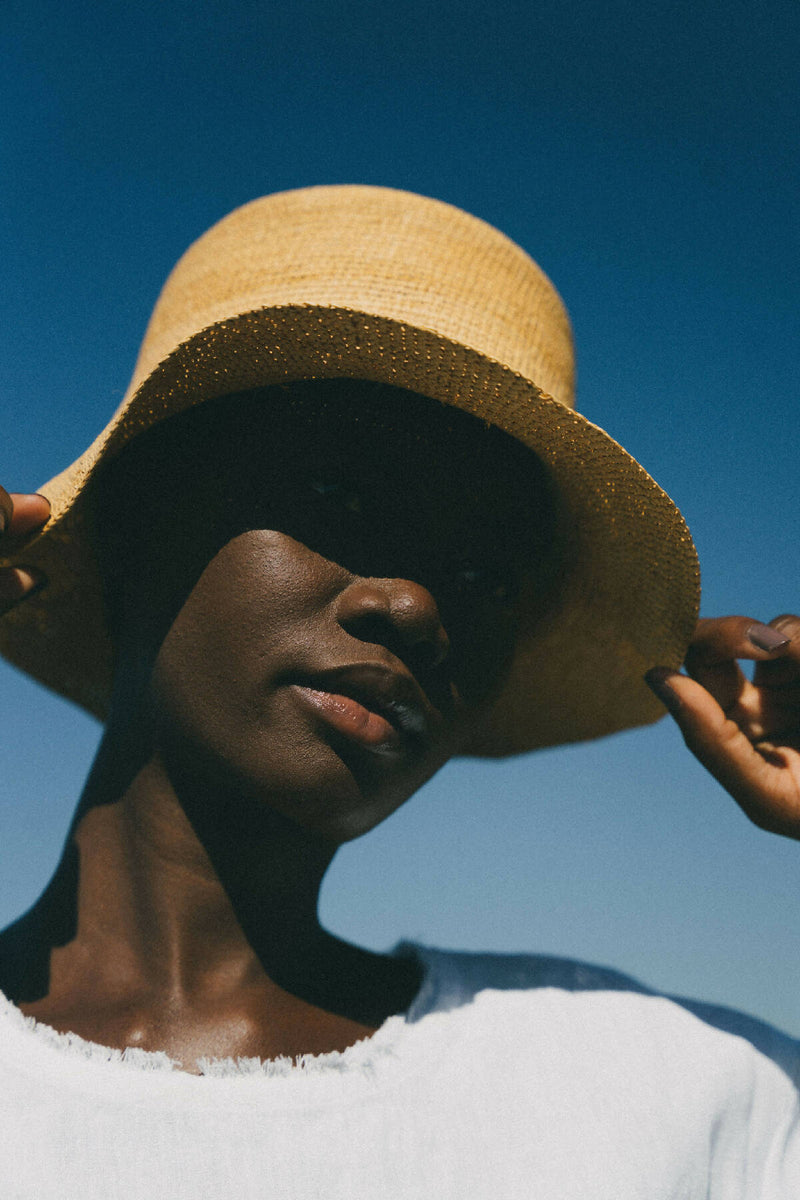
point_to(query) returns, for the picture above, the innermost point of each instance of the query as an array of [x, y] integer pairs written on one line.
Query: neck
[[185, 897], [196, 888]]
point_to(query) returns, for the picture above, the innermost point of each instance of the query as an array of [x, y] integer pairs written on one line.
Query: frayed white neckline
[[71, 1044], [362, 1057]]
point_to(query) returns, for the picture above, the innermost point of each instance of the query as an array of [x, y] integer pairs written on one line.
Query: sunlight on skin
[[747, 735]]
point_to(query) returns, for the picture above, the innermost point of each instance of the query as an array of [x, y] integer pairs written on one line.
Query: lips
[[370, 704]]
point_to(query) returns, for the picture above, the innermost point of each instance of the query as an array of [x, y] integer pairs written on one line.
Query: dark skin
[[184, 917], [274, 698]]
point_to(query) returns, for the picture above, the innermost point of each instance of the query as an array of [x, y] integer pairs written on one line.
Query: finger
[[769, 707], [6, 510], [766, 714], [18, 583], [23, 512], [782, 672], [719, 642], [763, 779]]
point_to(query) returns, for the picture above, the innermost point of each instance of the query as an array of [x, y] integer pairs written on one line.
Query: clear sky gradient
[[646, 155]]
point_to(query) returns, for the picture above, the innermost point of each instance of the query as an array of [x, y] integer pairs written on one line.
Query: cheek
[[241, 624]]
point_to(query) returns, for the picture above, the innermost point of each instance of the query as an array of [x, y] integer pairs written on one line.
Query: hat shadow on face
[[381, 481]]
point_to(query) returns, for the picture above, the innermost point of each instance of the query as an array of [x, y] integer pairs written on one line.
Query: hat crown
[[378, 251]]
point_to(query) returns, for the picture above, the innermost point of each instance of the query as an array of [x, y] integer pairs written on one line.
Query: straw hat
[[378, 284]]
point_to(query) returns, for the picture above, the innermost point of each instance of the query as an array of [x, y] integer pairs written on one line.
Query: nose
[[396, 613]]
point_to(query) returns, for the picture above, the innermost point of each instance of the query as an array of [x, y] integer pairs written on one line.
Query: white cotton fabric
[[510, 1077]]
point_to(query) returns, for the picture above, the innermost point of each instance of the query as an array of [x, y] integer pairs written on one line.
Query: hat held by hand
[[384, 285]]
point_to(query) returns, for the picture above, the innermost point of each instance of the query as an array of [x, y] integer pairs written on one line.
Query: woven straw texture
[[377, 284]]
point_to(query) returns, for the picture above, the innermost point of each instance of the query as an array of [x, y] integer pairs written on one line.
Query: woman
[[345, 525]]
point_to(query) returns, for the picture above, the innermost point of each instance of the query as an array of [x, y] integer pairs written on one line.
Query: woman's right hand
[[21, 514]]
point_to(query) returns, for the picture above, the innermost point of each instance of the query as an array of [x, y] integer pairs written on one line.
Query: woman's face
[[335, 600]]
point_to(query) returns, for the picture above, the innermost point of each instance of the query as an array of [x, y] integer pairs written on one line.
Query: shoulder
[[473, 972], [604, 1011]]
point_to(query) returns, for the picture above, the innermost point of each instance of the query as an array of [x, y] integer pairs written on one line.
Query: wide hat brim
[[630, 600]]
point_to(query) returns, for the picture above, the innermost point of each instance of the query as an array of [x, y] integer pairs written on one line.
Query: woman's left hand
[[746, 734]]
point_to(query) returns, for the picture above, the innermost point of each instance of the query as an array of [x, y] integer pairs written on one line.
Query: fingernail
[[657, 679], [764, 637]]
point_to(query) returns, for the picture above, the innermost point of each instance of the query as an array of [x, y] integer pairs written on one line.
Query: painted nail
[[764, 637], [657, 679]]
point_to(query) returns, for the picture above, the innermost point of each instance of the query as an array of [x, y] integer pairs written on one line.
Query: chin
[[339, 803], [321, 782]]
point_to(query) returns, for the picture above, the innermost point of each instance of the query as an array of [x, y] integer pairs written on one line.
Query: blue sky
[[646, 155]]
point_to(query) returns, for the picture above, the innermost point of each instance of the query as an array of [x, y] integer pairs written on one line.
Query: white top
[[510, 1077]]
